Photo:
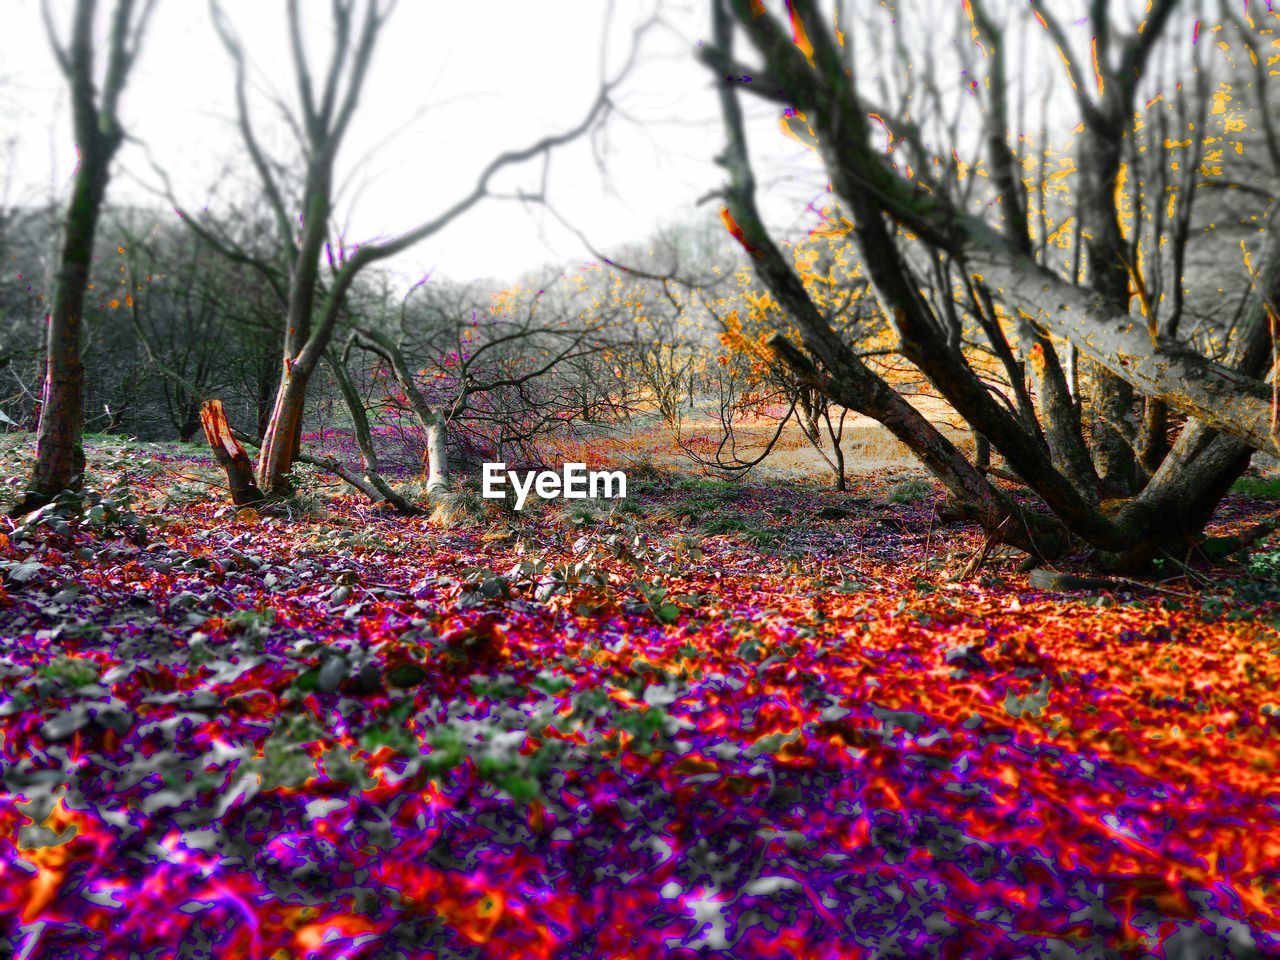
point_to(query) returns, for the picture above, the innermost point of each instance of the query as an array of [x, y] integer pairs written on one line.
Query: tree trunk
[[229, 454], [437, 453], [372, 484], [190, 421], [284, 428], [981, 451], [432, 420], [1153, 439], [1111, 400], [59, 451]]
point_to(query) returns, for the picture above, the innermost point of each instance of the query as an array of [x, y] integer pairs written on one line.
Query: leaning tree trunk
[[372, 483], [432, 419]]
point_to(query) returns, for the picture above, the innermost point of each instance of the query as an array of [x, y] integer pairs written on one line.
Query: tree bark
[[60, 461], [372, 483], [437, 453], [190, 420], [229, 454], [59, 451], [283, 431], [1153, 440], [432, 420]]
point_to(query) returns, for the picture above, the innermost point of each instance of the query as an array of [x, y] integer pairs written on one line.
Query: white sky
[[451, 85]]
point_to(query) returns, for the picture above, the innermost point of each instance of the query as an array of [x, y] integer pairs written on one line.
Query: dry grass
[[868, 447]]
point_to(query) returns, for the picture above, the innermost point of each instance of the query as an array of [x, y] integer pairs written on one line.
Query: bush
[[1266, 565]]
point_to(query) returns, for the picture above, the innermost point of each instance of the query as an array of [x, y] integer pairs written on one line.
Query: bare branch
[[60, 53], [256, 154]]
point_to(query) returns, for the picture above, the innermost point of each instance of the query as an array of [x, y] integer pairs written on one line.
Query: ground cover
[[716, 719]]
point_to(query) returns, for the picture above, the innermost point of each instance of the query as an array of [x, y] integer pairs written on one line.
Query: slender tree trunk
[[372, 484], [59, 450], [431, 419], [437, 453], [190, 421], [281, 441], [283, 433], [1153, 439], [981, 452]]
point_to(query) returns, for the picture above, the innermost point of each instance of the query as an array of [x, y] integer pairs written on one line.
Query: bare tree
[[315, 302], [503, 375], [96, 122], [912, 219]]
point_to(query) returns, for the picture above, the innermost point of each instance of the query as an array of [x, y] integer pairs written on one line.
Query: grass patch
[[702, 496], [1258, 488], [910, 491]]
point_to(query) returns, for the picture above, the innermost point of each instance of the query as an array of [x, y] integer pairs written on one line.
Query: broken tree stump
[[229, 454]]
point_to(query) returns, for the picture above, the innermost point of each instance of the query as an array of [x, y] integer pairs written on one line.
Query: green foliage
[[720, 490], [656, 598], [700, 497], [1262, 585], [311, 492], [1266, 565], [1258, 488], [251, 624], [910, 491], [71, 671]]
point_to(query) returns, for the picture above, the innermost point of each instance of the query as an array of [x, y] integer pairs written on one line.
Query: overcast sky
[[451, 85], [454, 84]]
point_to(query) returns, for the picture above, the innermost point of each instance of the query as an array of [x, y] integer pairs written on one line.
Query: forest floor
[[711, 720]]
